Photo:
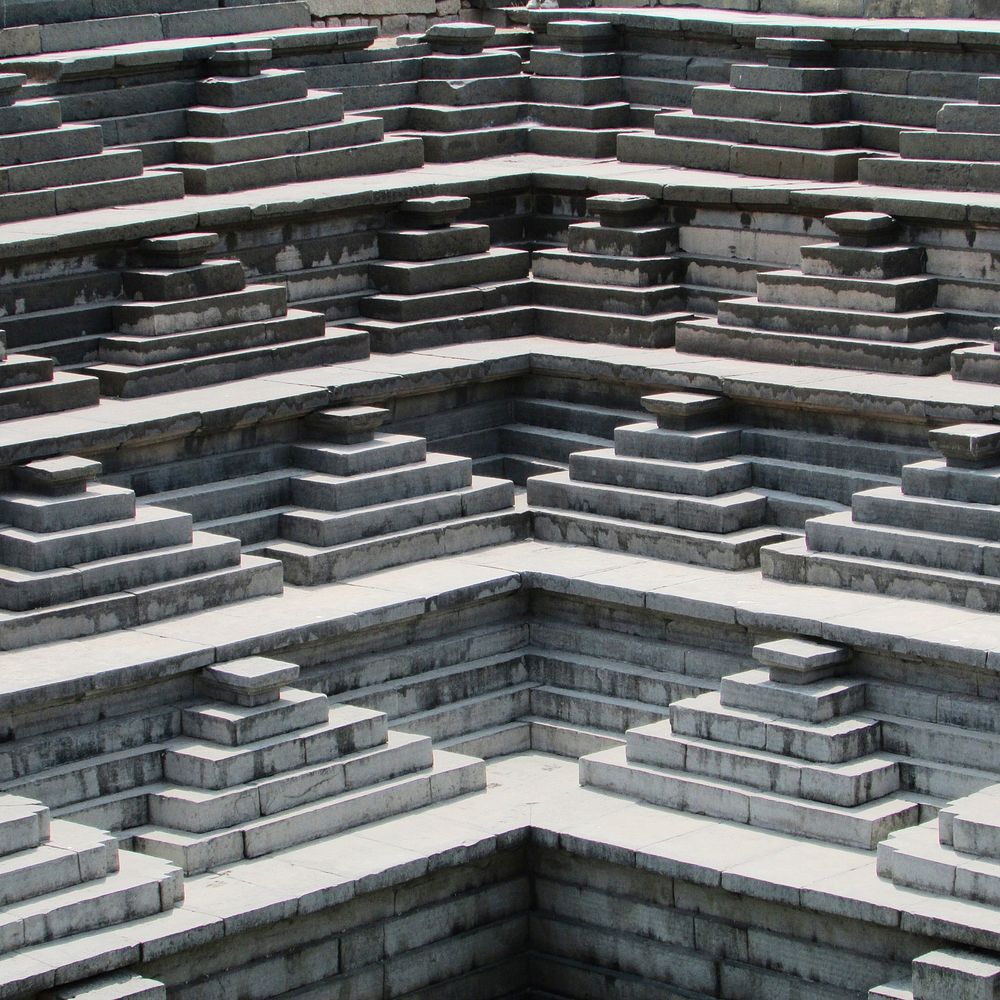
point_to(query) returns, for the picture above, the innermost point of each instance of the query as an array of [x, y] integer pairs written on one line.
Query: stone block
[[953, 974]]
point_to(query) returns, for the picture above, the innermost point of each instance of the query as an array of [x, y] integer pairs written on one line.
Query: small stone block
[[183, 250], [348, 424], [255, 680], [10, 85], [435, 212], [582, 36], [240, 62], [799, 661], [861, 229], [60, 476], [459, 38], [619, 211], [953, 974], [795, 51], [684, 410], [967, 445]]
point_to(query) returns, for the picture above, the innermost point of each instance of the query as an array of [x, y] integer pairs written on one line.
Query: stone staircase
[[960, 154], [440, 282], [81, 557], [785, 119], [61, 880], [30, 385], [262, 766], [861, 303], [49, 168], [374, 500], [470, 102], [617, 282], [576, 91], [936, 537], [188, 322], [945, 974], [784, 748], [670, 490], [256, 127]]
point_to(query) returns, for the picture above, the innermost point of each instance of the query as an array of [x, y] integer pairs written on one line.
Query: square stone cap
[[350, 420], [56, 473], [581, 31], [861, 228], [963, 965], [799, 654], [967, 444], [247, 61], [682, 404], [437, 210], [793, 46], [620, 210], [459, 37], [253, 674], [181, 250]]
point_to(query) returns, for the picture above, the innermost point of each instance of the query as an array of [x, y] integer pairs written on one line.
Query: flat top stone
[[971, 443], [851, 223], [460, 31], [581, 30], [682, 403], [799, 654], [351, 419], [58, 471], [248, 58], [965, 964], [620, 204], [436, 204], [794, 46], [185, 249], [11, 81], [255, 673]]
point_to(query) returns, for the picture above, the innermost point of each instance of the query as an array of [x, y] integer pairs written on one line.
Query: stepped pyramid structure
[[72, 549], [439, 281], [60, 879], [863, 302], [576, 90], [785, 746], [50, 168], [935, 537], [470, 102], [960, 154], [617, 282], [255, 125], [785, 119], [262, 766], [674, 489], [374, 499], [189, 321]]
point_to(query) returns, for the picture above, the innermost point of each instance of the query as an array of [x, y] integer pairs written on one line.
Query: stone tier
[[862, 303], [961, 154], [576, 113], [978, 364], [935, 537], [257, 127], [618, 279], [50, 168], [374, 500], [783, 747], [60, 879], [263, 766], [669, 490], [439, 282], [73, 550], [783, 119], [188, 321]]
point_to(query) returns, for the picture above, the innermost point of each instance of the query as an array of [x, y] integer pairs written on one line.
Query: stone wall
[[393, 17]]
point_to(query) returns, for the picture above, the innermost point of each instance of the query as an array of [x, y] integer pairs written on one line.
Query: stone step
[[62, 142], [117, 986], [719, 515], [72, 855], [792, 562], [552, 140], [849, 453], [474, 144], [392, 338], [266, 87], [113, 164], [332, 528], [976, 364], [839, 534], [835, 741], [789, 511], [925, 144], [936, 478], [897, 990], [545, 443], [893, 508], [894, 295], [589, 116], [805, 479], [193, 809], [38, 552], [643, 301], [970, 825], [462, 118], [138, 889], [860, 827], [212, 277], [598, 422], [831, 260], [737, 550], [609, 328], [820, 701], [494, 266], [473, 90], [572, 741], [98, 505], [687, 125], [448, 302], [308, 565], [706, 479], [722, 100], [130, 381], [24, 823], [318, 107], [492, 741], [385, 451], [469, 718], [23, 590], [902, 327], [451, 775], [24, 369], [645, 439], [716, 339], [66, 391], [560, 265], [589, 711], [207, 502], [848, 785]]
